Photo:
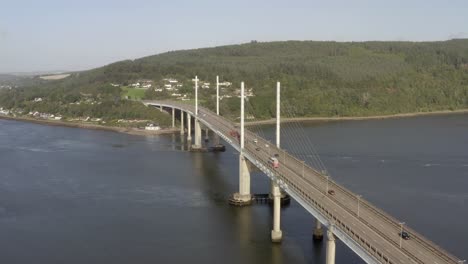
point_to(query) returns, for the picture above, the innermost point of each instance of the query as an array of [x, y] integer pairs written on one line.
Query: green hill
[[318, 78]]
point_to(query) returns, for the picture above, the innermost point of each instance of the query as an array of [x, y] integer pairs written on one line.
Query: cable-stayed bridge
[[370, 232]]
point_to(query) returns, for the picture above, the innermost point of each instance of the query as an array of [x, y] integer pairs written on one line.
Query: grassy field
[[133, 93]]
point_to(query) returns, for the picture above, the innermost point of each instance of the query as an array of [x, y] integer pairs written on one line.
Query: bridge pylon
[[197, 145], [243, 197]]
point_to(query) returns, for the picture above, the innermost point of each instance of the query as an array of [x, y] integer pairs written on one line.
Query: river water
[[72, 195]]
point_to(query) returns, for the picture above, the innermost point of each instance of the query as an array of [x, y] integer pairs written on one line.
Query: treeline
[[318, 78]]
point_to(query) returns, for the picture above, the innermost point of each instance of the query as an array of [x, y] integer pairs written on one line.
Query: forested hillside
[[318, 78]]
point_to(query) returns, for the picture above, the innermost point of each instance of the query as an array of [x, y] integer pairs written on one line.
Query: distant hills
[[318, 78]]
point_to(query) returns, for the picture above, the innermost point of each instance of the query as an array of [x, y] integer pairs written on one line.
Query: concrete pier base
[[243, 197], [276, 236], [318, 231], [330, 246]]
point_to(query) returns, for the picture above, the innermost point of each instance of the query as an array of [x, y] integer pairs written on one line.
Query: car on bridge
[[273, 161], [404, 235], [234, 134], [331, 192]]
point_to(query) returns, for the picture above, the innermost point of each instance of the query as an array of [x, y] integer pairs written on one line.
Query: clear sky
[[45, 35]]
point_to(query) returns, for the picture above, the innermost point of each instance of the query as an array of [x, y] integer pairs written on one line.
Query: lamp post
[[358, 200], [401, 232]]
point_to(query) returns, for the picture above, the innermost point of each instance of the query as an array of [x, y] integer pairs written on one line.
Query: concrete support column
[[189, 127], [244, 179], [318, 231], [207, 131], [243, 197], [197, 135], [182, 128], [173, 117], [330, 246], [160, 108], [276, 234]]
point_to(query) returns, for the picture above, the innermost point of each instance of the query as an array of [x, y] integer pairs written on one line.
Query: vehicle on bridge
[[331, 192], [234, 134], [273, 161], [404, 235]]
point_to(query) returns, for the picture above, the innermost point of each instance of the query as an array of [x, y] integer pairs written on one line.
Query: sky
[[62, 35]]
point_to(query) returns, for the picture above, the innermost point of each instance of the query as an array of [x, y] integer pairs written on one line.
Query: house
[[227, 84], [152, 127]]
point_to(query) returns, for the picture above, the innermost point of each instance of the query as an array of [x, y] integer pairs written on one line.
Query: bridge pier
[[189, 127], [173, 117], [318, 232], [207, 131], [243, 197], [330, 246], [182, 122], [198, 132], [276, 234]]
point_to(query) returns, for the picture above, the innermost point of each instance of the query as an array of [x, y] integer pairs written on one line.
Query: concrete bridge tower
[[197, 143], [276, 234], [243, 197]]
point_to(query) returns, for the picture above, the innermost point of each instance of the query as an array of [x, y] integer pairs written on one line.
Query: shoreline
[[356, 118], [140, 132], [130, 131]]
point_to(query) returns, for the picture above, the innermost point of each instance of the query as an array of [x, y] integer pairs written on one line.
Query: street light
[[358, 200], [401, 232]]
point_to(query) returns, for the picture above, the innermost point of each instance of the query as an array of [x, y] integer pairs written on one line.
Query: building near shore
[[152, 127]]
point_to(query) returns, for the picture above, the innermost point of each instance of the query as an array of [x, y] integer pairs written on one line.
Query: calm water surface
[[82, 196]]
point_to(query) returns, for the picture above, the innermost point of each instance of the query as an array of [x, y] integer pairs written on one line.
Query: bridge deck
[[374, 235]]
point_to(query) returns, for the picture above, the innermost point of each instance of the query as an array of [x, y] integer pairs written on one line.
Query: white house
[[152, 127]]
